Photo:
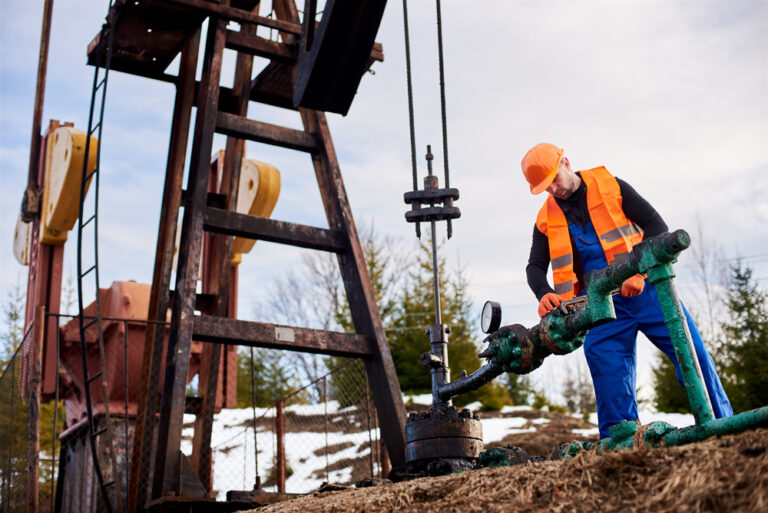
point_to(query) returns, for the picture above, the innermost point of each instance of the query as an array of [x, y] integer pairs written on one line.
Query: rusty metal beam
[[258, 334], [260, 47], [223, 11], [216, 281], [357, 283], [237, 126], [30, 206], [167, 479], [262, 228], [33, 451], [334, 57], [43, 283], [159, 296], [362, 301]]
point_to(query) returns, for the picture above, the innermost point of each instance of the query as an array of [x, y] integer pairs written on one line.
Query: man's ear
[[566, 162]]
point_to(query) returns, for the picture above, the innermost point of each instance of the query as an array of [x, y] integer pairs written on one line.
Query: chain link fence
[[326, 431], [14, 439], [15, 463]]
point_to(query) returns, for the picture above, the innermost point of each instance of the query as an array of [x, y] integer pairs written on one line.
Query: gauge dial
[[490, 319]]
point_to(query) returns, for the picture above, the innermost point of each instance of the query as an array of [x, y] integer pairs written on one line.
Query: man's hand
[[549, 301], [633, 286]]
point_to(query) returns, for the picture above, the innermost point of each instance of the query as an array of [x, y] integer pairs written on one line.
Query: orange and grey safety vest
[[617, 234]]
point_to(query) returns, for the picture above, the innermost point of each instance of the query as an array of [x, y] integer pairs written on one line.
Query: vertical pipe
[[33, 451], [435, 275], [674, 317], [280, 434]]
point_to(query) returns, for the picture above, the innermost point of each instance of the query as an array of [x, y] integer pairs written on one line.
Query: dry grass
[[720, 474]]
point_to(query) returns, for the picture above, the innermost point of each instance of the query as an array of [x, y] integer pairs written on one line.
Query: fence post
[[280, 434], [33, 452], [325, 403], [386, 466]]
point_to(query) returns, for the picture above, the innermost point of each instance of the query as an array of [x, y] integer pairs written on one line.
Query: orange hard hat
[[540, 166]]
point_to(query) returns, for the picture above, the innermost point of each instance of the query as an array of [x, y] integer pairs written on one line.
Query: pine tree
[[385, 268], [670, 397], [13, 310], [272, 380], [408, 338], [744, 352], [519, 388]]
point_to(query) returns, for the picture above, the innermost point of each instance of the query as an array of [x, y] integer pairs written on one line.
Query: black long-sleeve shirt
[[636, 208]]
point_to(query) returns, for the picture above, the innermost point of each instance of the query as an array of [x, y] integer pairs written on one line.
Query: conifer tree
[[744, 352], [670, 397], [272, 379], [408, 338]]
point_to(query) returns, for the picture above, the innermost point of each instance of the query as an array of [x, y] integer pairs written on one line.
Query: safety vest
[[617, 234]]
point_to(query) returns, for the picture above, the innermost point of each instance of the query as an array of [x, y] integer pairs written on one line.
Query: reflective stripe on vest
[[617, 234]]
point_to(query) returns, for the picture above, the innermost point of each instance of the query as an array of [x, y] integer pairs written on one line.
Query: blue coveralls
[[610, 349]]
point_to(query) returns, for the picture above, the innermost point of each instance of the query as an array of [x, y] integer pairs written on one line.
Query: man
[[589, 219]]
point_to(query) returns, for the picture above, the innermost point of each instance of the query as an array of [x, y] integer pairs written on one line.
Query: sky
[[670, 96]]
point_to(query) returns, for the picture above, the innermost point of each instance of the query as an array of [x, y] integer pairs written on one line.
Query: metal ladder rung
[[91, 268], [93, 378], [90, 218], [101, 83], [99, 432], [89, 175], [90, 323], [95, 127]]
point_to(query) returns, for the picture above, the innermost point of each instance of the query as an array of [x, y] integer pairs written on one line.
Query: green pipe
[[520, 350], [727, 425], [679, 333], [630, 435]]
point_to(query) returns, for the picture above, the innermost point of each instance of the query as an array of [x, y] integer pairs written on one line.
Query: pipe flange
[[526, 346], [447, 434], [546, 338]]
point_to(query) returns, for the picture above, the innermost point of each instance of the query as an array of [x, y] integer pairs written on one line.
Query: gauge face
[[490, 318]]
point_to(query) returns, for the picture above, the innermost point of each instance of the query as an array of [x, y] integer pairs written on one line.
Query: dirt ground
[[721, 474]]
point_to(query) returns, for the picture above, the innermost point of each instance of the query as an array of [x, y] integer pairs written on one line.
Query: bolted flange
[[446, 434]]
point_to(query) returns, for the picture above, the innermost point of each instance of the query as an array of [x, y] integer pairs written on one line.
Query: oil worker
[[589, 219]]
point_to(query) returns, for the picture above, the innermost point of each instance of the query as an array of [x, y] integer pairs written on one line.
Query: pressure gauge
[[490, 319]]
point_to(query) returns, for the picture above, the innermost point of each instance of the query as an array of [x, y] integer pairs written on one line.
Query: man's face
[[563, 184]]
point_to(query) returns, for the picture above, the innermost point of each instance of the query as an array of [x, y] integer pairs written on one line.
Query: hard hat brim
[[544, 184]]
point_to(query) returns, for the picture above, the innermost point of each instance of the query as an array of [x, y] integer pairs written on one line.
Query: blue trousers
[[610, 350]]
